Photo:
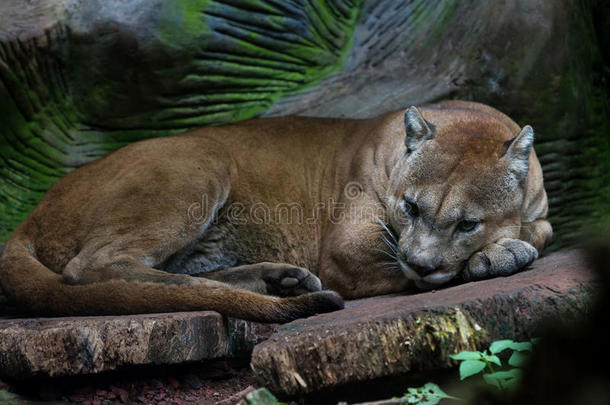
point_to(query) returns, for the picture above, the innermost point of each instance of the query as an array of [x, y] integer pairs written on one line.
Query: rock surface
[[391, 335], [381, 336], [69, 346]]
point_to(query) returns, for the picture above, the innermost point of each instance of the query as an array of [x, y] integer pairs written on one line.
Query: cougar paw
[[287, 280], [326, 301], [311, 304], [503, 258]]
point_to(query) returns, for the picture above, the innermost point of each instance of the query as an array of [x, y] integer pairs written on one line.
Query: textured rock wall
[[80, 78]]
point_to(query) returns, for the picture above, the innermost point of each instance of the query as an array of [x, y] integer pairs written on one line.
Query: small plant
[[474, 362], [429, 394]]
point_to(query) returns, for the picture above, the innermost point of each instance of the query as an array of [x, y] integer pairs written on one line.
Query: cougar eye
[[411, 208], [467, 225]]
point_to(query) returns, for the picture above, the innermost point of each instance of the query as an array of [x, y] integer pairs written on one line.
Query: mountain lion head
[[459, 186]]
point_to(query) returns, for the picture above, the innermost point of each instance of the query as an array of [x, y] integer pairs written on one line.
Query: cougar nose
[[422, 269]]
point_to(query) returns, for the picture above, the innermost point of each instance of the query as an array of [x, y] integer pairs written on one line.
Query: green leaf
[[492, 379], [492, 359], [262, 396], [518, 359], [513, 378], [470, 367], [466, 355], [521, 346], [504, 379], [415, 399], [429, 394], [500, 345]]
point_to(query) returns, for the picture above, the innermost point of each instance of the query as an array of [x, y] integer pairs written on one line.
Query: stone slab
[[83, 345], [391, 335]]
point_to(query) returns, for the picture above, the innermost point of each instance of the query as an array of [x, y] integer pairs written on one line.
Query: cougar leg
[[268, 278], [130, 269], [100, 292]]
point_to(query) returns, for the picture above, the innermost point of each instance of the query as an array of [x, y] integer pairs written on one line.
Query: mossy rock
[[80, 78]]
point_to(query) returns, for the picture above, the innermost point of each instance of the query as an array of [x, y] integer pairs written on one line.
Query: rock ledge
[[391, 335], [375, 337], [84, 345]]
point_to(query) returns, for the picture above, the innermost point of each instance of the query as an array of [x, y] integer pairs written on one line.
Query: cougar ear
[[518, 152], [417, 129]]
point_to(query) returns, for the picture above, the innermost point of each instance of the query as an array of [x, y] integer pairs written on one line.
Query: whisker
[[387, 229], [390, 244], [386, 253]]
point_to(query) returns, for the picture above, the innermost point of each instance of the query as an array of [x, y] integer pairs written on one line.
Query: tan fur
[[99, 240]]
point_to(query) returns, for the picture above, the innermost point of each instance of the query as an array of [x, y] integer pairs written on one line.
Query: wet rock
[[391, 335]]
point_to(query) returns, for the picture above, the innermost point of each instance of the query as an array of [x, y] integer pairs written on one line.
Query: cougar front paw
[[503, 258], [286, 280]]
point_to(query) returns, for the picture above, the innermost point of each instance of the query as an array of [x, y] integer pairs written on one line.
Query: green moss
[[27, 169], [182, 24], [442, 20], [445, 332], [201, 62]]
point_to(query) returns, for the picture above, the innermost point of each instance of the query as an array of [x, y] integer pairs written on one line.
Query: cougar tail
[[39, 290]]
